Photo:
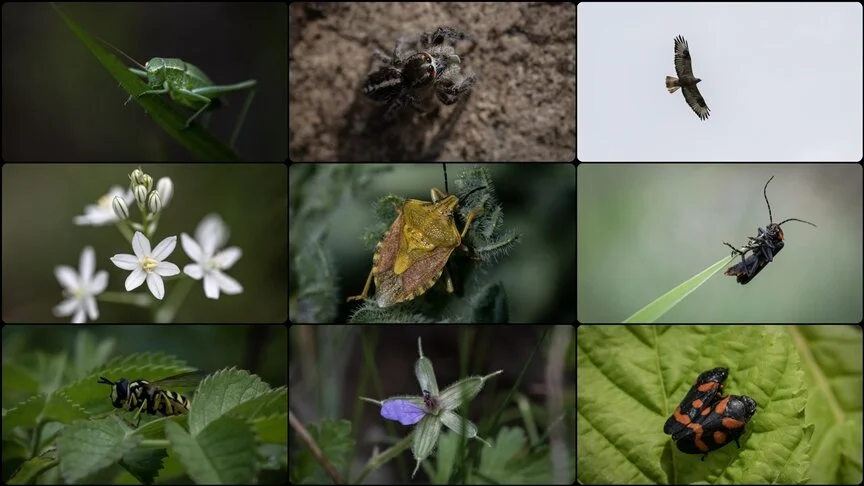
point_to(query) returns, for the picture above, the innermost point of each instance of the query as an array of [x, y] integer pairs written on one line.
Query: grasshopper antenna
[[127, 56]]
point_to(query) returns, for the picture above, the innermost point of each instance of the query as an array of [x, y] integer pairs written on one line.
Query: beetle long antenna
[[445, 178], [764, 193], [801, 220], [127, 56]]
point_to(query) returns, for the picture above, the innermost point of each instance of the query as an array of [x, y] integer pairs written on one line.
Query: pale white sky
[[783, 81]]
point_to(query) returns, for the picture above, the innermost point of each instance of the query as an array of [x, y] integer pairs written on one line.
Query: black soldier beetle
[[767, 243]]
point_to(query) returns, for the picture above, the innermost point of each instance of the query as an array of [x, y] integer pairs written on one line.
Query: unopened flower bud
[[135, 176], [140, 195], [165, 188], [154, 203], [147, 181], [120, 208]]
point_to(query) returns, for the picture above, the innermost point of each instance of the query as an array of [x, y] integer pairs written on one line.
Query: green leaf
[[224, 391], [87, 447], [223, 453], [170, 117], [631, 378]]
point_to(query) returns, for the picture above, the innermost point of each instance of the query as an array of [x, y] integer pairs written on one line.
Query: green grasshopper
[[188, 86]]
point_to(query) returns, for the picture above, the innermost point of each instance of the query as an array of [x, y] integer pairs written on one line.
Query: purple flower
[[402, 411]]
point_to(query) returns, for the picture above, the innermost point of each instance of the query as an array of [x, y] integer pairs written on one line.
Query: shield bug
[[767, 243], [413, 253]]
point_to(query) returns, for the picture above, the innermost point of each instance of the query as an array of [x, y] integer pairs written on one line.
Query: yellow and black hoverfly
[[150, 396]]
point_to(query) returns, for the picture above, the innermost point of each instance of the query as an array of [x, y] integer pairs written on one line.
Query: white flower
[[102, 212], [81, 288], [210, 235], [147, 265]]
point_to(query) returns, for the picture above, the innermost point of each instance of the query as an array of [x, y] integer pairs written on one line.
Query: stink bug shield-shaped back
[[413, 253], [767, 243]]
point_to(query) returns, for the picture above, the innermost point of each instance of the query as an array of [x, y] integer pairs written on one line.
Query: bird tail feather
[[672, 84]]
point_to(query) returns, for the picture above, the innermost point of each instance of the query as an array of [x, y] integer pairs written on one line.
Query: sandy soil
[[523, 107]]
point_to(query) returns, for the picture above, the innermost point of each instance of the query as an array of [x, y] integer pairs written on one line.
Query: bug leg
[[471, 215], [242, 116], [736, 251], [365, 288], [450, 91], [155, 91], [199, 97]]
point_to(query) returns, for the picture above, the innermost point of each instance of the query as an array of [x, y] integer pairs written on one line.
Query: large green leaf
[[631, 378], [170, 117]]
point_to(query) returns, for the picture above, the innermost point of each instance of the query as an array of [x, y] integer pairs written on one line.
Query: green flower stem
[[387, 455]]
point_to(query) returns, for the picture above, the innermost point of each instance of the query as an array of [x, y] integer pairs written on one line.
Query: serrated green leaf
[[630, 379], [272, 429], [85, 448], [144, 464], [220, 393], [223, 453]]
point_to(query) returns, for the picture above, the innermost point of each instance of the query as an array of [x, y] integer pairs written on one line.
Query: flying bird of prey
[[686, 80]]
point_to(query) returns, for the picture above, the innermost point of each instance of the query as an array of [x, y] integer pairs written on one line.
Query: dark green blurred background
[[643, 229], [260, 349], [40, 201], [537, 200], [60, 104]]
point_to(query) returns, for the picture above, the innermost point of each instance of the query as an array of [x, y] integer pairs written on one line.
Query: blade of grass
[[667, 301], [201, 143]]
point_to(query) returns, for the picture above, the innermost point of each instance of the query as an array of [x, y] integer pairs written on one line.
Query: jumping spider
[[417, 69]]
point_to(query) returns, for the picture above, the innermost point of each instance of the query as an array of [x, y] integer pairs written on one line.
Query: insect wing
[[183, 380], [723, 423], [751, 266], [402, 411], [702, 395]]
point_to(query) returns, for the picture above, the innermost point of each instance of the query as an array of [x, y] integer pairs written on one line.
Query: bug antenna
[[445, 178], [127, 56], [764, 193], [801, 220]]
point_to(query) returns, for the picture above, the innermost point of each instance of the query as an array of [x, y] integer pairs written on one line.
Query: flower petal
[[125, 261], [166, 269], [191, 247], [135, 279], [140, 245], [211, 233], [194, 270], [227, 284], [228, 257], [79, 317], [87, 263], [402, 411], [154, 283], [99, 282], [67, 276], [66, 308], [211, 286], [164, 248], [89, 305]]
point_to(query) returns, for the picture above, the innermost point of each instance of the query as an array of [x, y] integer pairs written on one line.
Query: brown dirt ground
[[523, 107]]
